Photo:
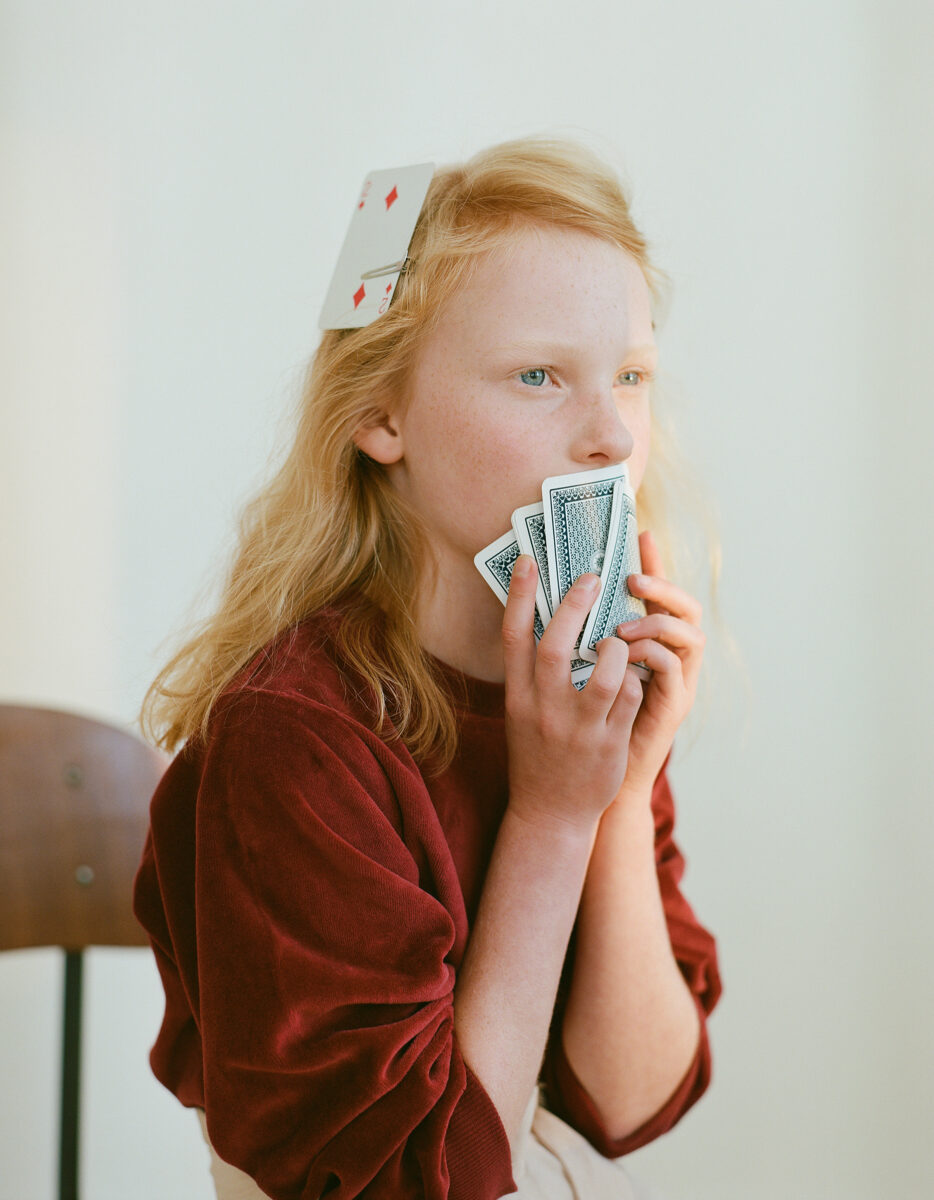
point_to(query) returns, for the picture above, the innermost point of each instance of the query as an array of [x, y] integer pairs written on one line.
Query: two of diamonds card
[[586, 522], [375, 248]]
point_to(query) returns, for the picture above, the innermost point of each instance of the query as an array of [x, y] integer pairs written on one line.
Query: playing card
[[577, 510], [495, 563], [528, 524], [376, 246], [615, 603]]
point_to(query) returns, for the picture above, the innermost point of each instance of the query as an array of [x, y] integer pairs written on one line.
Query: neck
[[460, 621]]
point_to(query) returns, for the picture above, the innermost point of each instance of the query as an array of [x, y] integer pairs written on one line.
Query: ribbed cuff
[[476, 1147]]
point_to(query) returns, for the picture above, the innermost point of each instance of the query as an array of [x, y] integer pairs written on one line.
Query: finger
[[628, 701], [555, 650], [651, 555], [687, 641], [606, 679], [652, 566], [519, 622], [667, 669], [661, 595], [680, 635]]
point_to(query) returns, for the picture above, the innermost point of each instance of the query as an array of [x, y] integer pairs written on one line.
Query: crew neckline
[[481, 697], [477, 697]]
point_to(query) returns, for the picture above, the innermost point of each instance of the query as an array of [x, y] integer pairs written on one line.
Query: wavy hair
[[328, 528]]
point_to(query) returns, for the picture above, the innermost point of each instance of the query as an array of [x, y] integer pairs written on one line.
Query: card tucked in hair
[[376, 246]]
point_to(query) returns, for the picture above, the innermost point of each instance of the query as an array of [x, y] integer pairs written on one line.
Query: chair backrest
[[74, 810]]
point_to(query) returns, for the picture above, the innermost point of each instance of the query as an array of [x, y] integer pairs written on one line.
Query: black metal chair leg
[[71, 1077]]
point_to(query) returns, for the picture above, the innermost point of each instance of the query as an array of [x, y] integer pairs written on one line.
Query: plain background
[[176, 180]]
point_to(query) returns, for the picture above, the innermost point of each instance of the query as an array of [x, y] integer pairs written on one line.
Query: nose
[[601, 437]]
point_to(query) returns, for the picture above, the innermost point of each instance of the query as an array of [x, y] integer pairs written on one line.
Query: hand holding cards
[[586, 522]]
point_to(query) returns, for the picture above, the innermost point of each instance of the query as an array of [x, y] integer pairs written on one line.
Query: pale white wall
[[176, 181]]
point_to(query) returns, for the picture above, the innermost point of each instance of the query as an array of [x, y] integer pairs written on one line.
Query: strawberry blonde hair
[[328, 528]]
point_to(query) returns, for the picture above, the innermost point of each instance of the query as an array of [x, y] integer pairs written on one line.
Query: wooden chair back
[[74, 810]]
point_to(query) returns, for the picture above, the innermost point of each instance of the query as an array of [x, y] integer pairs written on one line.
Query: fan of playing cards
[[585, 522]]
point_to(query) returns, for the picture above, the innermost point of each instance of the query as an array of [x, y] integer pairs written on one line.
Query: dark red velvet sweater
[[309, 895]]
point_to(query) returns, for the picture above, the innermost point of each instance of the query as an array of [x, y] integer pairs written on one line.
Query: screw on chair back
[[74, 810]]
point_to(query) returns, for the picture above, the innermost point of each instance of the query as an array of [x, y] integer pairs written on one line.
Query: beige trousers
[[554, 1163]]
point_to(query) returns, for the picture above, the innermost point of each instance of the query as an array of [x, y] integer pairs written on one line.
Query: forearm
[[506, 985], [631, 1026]]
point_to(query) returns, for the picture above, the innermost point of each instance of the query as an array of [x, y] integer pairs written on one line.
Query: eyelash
[[646, 376]]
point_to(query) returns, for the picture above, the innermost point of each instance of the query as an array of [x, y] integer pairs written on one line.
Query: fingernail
[[523, 566], [588, 581]]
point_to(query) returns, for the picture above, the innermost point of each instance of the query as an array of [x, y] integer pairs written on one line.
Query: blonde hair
[[328, 528]]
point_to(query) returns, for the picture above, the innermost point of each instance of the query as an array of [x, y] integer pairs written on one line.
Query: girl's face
[[540, 365]]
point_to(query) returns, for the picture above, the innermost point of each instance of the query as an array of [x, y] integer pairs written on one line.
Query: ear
[[381, 439]]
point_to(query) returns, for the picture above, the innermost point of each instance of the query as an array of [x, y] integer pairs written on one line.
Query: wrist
[[639, 781], [634, 795], [630, 817], [547, 824]]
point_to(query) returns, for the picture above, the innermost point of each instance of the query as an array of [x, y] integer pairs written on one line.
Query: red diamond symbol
[[358, 296], [391, 198], [388, 289]]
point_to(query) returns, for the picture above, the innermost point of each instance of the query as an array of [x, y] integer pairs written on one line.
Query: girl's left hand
[[670, 641]]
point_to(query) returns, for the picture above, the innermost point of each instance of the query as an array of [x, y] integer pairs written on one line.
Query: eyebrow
[[546, 348], [642, 351]]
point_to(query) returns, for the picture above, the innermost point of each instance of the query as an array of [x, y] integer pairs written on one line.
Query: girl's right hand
[[568, 750]]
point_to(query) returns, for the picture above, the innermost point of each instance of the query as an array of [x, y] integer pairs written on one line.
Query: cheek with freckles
[[492, 451]]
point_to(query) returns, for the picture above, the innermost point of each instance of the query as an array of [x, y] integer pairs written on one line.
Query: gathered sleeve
[[322, 973], [695, 951]]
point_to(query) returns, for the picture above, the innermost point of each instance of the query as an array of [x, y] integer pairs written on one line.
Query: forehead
[[547, 284]]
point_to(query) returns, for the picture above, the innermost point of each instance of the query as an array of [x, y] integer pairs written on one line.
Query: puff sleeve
[[320, 968], [696, 954]]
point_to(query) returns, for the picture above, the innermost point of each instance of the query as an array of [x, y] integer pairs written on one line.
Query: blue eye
[[635, 376], [534, 378]]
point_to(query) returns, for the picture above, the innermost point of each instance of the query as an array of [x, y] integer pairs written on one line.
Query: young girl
[[413, 897]]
